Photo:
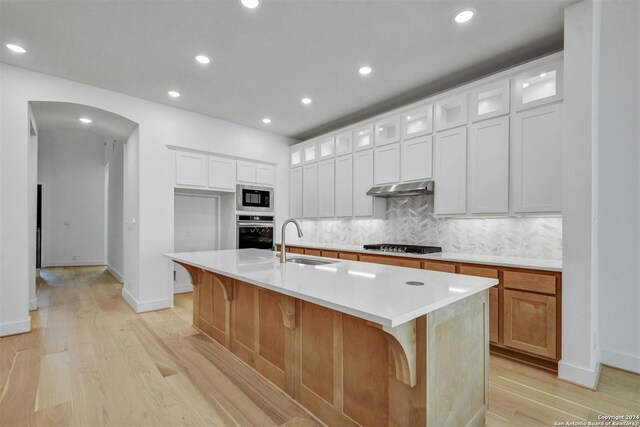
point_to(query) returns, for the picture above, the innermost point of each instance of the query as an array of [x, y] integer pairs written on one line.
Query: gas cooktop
[[409, 249]]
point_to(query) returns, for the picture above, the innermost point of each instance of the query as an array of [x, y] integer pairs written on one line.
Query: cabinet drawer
[[348, 256], [445, 267], [530, 323], [479, 271], [296, 251], [313, 252], [543, 283], [330, 254], [400, 262]]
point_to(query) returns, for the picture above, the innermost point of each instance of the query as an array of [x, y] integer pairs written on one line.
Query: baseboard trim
[[143, 306], [75, 263], [115, 273], [33, 304], [182, 288], [627, 362], [578, 375], [14, 328]]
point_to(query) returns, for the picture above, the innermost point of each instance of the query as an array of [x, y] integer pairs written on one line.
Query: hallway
[[90, 360]]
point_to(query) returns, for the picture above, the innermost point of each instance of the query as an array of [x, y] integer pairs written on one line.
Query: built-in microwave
[[253, 198]]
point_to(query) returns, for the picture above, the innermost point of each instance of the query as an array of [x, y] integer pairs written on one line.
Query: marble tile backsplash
[[410, 220]]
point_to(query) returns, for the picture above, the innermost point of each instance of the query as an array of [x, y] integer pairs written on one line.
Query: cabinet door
[[310, 152], [326, 188], [538, 86], [246, 172], [387, 164], [191, 169], [493, 315], [326, 147], [265, 174], [489, 166], [451, 172], [417, 122], [451, 112], [295, 192], [310, 191], [537, 160], [362, 182], [417, 159], [344, 186], [489, 101], [530, 322], [222, 173], [295, 156], [363, 137], [387, 131], [344, 143]]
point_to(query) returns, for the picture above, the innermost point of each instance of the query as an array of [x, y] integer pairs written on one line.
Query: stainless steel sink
[[310, 261]]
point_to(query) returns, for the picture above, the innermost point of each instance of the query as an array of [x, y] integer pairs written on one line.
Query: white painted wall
[[71, 171], [131, 219], [114, 156], [32, 191], [619, 185], [159, 126]]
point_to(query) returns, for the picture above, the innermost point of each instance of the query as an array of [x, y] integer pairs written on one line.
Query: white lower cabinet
[[387, 164], [326, 188], [310, 191], [417, 159], [451, 172], [295, 192], [489, 166], [191, 169], [344, 186], [362, 182], [537, 160]]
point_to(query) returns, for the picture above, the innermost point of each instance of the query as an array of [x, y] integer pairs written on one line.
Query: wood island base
[[431, 371]]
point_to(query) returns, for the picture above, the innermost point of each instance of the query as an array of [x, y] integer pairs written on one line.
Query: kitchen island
[[355, 343]]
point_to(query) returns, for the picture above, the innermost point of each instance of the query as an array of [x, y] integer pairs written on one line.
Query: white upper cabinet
[[387, 164], [310, 191], [538, 86], [191, 169], [489, 166], [310, 152], [451, 172], [387, 131], [344, 143], [222, 173], [417, 159], [265, 174], [327, 148], [344, 186], [489, 101], [451, 112], [295, 156], [417, 122], [295, 192], [363, 137], [246, 172], [537, 160], [326, 188], [362, 182]]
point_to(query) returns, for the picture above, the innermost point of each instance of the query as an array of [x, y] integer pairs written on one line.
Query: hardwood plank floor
[[90, 360]]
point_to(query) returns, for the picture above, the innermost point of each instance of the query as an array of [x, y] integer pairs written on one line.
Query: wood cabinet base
[[433, 371]]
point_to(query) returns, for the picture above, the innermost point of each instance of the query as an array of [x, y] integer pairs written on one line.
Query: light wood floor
[[91, 360]]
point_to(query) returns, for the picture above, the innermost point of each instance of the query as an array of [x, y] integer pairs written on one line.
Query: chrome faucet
[[283, 245]]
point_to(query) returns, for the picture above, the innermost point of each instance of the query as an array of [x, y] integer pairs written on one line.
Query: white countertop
[[374, 292], [502, 261]]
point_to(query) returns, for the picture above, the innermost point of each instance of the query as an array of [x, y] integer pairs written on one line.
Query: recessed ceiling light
[[202, 59], [306, 101], [250, 4], [85, 120], [543, 75], [16, 48], [173, 94], [266, 120], [525, 85], [464, 16], [364, 70]]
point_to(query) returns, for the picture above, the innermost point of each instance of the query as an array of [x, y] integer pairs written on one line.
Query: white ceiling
[[263, 61], [65, 115]]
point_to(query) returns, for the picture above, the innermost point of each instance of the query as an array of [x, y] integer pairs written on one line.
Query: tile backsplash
[[410, 220]]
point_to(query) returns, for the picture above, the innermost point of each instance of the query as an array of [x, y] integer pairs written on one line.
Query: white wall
[[32, 192], [159, 125], [114, 156], [71, 171], [619, 185], [131, 210]]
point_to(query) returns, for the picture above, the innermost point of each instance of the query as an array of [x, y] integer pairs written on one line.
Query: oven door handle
[[254, 224]]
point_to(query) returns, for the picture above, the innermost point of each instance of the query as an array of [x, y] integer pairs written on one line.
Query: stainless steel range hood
[[419, 188]]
